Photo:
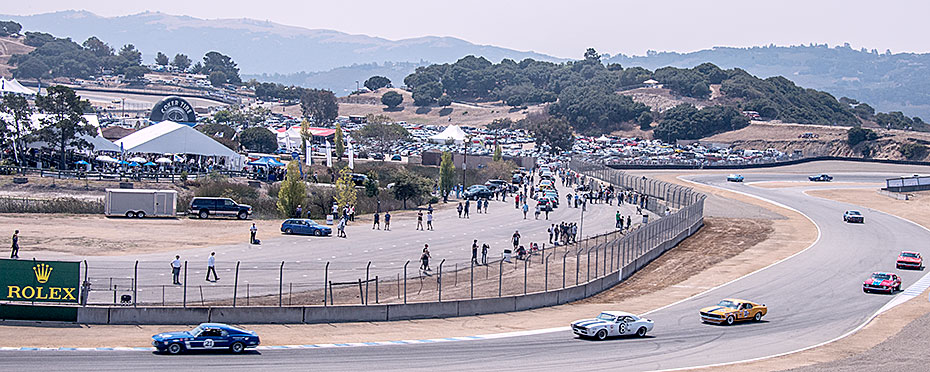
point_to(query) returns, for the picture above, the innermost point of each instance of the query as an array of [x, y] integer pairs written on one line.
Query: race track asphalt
[[813, 297]]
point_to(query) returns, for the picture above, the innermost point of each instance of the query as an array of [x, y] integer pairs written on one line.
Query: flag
[[329, 154], [309, 149], [351, 157]]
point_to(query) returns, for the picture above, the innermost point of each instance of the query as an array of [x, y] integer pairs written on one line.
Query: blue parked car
[[305, 226], [207, 336]]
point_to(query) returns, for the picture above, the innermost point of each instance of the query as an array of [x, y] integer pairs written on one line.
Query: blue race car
[[305, 226], [735, 178], [207, 336]]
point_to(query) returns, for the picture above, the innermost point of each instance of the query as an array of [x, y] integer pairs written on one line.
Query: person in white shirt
[[429, 220], [176, 270], [211, 263], [253, 230]]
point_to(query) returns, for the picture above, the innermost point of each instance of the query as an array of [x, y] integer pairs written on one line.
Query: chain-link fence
[[544, 267]]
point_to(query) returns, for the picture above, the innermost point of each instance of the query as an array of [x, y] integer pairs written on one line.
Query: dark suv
[[205, 207]]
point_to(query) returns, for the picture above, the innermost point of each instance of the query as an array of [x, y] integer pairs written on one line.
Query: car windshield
[[606, 316], [854, 213], [196, 331], [909, 254], [881, 276], [728, 303]]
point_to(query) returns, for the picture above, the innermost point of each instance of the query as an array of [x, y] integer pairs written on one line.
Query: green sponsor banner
[[39, 281]]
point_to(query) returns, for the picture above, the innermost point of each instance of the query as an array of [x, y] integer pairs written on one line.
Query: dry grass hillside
[[661, 99], [469, 114], [830, 141], [8, 47]]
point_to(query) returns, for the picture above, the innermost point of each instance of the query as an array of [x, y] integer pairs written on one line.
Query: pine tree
[[340, 146]]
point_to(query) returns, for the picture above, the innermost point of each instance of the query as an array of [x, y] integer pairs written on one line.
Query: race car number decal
[[208, 343]]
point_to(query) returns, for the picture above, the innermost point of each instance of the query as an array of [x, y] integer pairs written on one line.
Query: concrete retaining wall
[[156, 315], [246, 315], [423, 310], [487, 306], [338, 314]]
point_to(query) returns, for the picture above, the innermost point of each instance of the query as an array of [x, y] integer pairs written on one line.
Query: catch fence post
[[185, 283], [135, 283], [500, 278], [525, 262], [546, 284], [367, 270], [281, 284], [472, 279], [325, 281], [439, 279], [563, 268], [235, 285], [405, 281]]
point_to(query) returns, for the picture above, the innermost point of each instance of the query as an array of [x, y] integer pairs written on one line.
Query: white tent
[[97, 142], [451, 133], [13, 86], [170, 137], [289, 138]]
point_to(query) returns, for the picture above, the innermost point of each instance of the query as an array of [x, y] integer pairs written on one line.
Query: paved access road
[[306, 256], [813, 297]]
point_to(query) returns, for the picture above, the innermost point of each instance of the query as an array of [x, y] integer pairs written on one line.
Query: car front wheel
[[174, 348], [730, 320], [237, 347], [601, 335], [317, 233]]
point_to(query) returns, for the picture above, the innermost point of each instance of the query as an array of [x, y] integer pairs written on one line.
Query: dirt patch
[[719, 240], [97, 235]]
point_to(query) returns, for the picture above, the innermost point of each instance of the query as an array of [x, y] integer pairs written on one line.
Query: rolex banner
[[39, 281]]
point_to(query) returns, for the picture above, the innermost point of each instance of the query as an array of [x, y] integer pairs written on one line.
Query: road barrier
[[571, 272]]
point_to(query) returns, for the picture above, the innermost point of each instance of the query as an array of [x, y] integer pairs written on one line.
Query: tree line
[[62, 57]]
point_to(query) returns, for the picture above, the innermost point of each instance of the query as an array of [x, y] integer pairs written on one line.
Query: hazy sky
[[566, 28]]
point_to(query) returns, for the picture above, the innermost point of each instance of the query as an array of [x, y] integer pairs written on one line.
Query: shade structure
[[133, 164], [149, 164], [137, 159], [267, 162], [163, 160], [81, 162], [174, 138], [106, 159], [452, 133], [123, 162], [13, 86]]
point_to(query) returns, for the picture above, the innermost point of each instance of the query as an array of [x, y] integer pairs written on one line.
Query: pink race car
[[882, 282]]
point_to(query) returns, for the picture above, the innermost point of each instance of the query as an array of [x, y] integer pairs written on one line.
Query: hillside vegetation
[[584, 93]]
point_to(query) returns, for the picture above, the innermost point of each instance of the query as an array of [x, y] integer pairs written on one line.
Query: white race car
[[612, 323]]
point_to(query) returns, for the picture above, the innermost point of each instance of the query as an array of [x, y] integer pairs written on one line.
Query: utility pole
[[465, 162]]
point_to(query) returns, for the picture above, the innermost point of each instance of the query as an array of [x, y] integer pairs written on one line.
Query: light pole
[[122, 114]]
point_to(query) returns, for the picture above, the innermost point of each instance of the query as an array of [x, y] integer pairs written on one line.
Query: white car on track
[[612, 323]]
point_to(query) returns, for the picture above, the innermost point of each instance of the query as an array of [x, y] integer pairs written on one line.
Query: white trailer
[[140, 203]]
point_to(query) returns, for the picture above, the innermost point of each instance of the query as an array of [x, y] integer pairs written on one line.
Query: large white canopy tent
[[13, 86], [452, 133], [169, 137], [97, 141]]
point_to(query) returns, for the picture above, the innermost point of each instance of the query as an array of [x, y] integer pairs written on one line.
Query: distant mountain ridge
[[257, 46], [886, 81]]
